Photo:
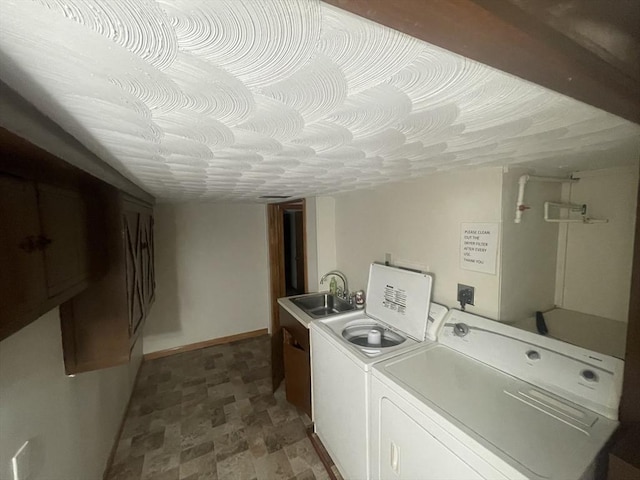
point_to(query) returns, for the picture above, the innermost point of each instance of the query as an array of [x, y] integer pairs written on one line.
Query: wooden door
[[278, 289], [64, 237], [275, 218], [22, 263]]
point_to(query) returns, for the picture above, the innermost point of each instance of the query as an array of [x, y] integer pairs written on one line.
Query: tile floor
[[210, 414]]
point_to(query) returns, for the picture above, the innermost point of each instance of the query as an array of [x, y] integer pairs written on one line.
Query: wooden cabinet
[[63, 216], [297, 365], [44, 249], [101, 325], [22, 281], [69, 239]]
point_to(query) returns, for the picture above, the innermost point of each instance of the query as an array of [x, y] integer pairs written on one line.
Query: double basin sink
[[322, 305]]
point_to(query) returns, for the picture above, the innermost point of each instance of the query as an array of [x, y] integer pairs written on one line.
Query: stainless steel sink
[[322, 305]]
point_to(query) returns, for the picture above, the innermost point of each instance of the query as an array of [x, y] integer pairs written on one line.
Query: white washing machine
[[399, 316], [489, 401]]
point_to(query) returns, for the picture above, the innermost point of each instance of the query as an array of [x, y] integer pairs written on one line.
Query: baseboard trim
[[206, 343]]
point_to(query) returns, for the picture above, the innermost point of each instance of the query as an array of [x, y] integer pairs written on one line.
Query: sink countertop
[[301, 316]]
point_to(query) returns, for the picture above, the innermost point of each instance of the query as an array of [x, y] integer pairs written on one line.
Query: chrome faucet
[[343, 277]]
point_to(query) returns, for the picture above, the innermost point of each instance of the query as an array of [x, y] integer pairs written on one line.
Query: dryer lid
[[400, 298]]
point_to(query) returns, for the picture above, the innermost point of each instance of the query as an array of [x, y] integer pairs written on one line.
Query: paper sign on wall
[[479, 246]]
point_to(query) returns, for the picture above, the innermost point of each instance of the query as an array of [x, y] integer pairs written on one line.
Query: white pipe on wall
[[572, 208], [522, 182], [569, 206]]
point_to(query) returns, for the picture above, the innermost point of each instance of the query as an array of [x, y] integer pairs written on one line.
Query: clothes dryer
[[490, 401]]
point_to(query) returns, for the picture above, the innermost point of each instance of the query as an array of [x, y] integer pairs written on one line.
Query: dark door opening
[[293, 240]]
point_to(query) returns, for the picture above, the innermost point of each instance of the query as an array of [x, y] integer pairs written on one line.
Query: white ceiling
[[233, 100]]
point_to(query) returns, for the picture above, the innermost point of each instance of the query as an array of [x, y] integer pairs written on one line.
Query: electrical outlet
[[21, 462], [466, 294]]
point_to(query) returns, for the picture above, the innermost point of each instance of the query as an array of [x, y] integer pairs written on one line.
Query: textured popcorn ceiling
[[235, 99]]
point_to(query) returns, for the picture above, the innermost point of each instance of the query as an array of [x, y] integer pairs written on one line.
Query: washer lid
[[400, 298]]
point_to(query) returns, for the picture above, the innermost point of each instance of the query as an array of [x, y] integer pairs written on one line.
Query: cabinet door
[[297, 373], [297, 369], [134, 269], [22, 263], [64, 238]]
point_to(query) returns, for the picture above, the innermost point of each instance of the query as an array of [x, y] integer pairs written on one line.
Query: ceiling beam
[[499, 34]]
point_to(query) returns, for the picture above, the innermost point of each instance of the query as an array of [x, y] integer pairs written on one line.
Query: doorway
[[288, 269], [293, 238]]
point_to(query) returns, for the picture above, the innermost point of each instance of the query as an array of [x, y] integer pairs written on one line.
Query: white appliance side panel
[[339, 388], [407, 444], [399, 298]]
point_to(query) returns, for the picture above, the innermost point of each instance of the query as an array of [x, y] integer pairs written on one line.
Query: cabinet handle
[[43, 242], [28, 244]]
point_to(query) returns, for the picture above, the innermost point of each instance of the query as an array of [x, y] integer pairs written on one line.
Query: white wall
[[529, 249], [326, 227], [212, 273], [419, 224], [311, 244], [321, 240], [597, 275], [71, 422]]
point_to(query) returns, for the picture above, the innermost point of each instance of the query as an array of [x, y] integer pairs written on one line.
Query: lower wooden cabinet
[[101, 324], [44, 249], [297, 365]]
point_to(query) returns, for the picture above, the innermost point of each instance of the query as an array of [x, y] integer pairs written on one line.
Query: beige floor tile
[[156, 463], [237, 467], [204, 465], [302, 456], [274, 466]]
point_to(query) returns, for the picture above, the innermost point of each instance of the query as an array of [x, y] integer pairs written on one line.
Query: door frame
[[277, 286]]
